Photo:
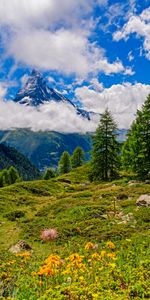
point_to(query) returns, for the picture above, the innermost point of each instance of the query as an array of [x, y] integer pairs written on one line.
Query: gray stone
[[143, 200], [19, 247]]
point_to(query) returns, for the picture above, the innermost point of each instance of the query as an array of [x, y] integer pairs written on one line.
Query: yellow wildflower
[[111, 255], [103, 253], [110, 245], [24, 255], [89, 245]]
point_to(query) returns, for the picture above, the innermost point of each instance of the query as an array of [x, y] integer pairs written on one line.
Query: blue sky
[[95, 51]]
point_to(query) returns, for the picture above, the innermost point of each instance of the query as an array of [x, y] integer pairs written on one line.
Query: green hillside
[[45, 148], [11, 157], [82, 212]]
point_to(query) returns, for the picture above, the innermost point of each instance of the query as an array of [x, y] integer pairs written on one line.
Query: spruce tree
[[49, 173], [105, 154], [6, 177], [136, 149], [77, 158], [13, 175], [64, 163]]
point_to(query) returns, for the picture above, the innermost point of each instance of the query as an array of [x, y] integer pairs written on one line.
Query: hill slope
[[11, 157], [45, 148], [82, 212]]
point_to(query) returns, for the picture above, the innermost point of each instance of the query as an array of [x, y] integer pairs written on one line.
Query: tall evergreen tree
[[49, 173], [64, 163], [105, 154], [77, 158], [6, 177], [136, 150], [13, 175]]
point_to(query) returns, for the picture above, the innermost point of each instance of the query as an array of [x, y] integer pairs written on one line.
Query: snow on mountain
[[36, 92]]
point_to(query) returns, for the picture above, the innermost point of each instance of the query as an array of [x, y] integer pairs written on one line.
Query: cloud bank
[[52, 116], [122, 100], [138, 25], [55, 35]]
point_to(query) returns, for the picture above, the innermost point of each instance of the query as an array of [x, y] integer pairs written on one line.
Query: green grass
[[81, 212]]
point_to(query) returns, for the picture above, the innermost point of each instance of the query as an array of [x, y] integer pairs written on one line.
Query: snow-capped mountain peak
[[37, 91]]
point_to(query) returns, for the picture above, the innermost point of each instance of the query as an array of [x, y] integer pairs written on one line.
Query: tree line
[[108, 155], [9, 176]]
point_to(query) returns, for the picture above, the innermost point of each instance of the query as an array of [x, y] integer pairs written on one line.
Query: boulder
[[19, 247], [143, 200]]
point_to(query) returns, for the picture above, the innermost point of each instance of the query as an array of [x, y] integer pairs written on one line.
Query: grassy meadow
[[102, 250]]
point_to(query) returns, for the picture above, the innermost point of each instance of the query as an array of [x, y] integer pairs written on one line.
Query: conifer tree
[[64, 163], [49, 173], [13, 175], [6, 177], [77, 158], [136, 149], [105, 154]]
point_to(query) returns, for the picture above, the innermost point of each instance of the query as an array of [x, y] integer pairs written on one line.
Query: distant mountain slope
[[45, 148], [36, 92], [11, 157]]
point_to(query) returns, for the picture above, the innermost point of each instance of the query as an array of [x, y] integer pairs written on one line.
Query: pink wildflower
[[49, 234]]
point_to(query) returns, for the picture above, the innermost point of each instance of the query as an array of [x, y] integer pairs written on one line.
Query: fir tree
[[77, 158], [6, 177], [105, 154], [13, 175], [136, 150], [49, 173], [64, 163]]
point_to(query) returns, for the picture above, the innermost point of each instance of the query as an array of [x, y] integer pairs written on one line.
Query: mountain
[[11, 157], [36, 92], [45, 148]]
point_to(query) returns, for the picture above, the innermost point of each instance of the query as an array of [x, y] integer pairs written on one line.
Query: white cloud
[[130, 56], [23, 13], [139, 25], [122, 99], [53, 117], [54, 35]]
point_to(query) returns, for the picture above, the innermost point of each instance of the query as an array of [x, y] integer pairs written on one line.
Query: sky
[[96, 52]]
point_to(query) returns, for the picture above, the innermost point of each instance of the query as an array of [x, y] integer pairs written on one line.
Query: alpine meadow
[[74, 150]]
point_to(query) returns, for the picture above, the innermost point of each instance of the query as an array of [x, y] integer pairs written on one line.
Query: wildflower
[[95, 256], [45, 270], [103, 253], [111, 255], [89, 245], [49, 234], [110, 245], [112, 265], [24, 255]]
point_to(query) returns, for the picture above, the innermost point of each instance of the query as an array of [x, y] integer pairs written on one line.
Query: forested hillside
[[11, 157]]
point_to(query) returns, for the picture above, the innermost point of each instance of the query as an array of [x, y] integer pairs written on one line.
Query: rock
[[143, 200], [133, 182], [19, 247], [147, 181]]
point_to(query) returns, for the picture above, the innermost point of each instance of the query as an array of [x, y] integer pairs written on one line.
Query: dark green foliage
[[13, 175], [77, 158], [9, 176], [5, 177], [136, 150], [105, 154], [64, 163], [11, 157], [49, 173]]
